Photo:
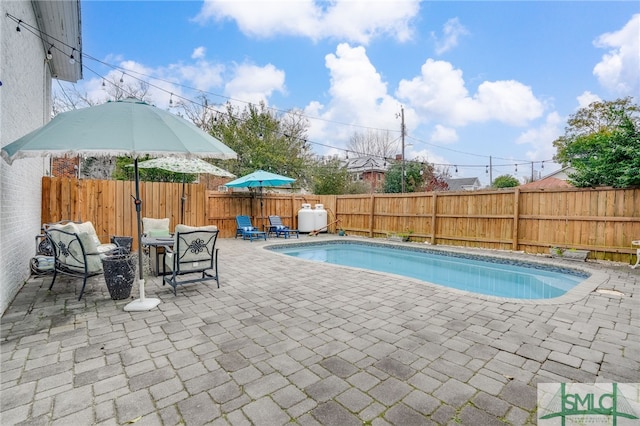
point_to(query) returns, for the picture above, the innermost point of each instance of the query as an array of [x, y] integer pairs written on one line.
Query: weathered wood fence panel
[[109, 204], [604, 221], [222, 208]]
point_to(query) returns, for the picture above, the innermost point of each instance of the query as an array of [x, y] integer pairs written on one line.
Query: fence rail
[[603, 221]]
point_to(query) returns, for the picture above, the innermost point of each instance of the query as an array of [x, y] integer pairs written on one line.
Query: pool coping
[[595, 279]]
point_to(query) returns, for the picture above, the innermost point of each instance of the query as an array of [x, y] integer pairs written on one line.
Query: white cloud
[[353, 20], [587, 98], [442, 134], [202, 75], [618, 69], [199, 52], [358, 96], [440, 92], [541, 138], [252, 83], [451, 31]]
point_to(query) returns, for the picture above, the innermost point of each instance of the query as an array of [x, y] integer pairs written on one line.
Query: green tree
[[505, 181], [414, 177], [419, 177], [266, 140], [610, 158], [601, 144], [330, 177]]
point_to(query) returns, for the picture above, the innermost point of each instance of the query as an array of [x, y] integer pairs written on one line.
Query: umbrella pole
[[261, 209], [141, 304], [183, 200]]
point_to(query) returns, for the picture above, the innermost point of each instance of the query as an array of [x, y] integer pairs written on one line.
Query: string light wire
[[134, 74]]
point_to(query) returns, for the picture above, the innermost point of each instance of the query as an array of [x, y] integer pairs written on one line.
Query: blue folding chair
[[279, 229], [246, 230]]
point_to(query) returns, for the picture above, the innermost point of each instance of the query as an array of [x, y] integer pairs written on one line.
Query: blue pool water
[[490, 276]]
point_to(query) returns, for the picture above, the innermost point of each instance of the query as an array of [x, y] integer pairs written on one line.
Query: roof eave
[[60, 25]]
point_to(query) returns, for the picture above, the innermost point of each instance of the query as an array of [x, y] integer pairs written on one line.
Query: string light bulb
[[18, 26], [72, 60], [456, 169], [171, 100], [542, 166], [49, 54], [122, 78]]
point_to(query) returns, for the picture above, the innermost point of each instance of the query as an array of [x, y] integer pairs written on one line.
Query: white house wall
[[24, 106]]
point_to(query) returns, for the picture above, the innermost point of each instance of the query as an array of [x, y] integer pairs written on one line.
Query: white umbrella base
[[142, 304]]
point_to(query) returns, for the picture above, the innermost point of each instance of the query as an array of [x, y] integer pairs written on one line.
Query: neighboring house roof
[[59, 23], [548, 182], [366, 164], [463, 184], [562, 174]]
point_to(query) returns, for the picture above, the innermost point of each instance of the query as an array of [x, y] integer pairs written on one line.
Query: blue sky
[[476, 79]]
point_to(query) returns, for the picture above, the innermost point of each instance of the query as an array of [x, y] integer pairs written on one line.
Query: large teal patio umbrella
[[260, 179], [127, 127]]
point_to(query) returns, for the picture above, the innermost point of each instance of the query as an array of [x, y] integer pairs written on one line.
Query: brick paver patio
[[285, 341]]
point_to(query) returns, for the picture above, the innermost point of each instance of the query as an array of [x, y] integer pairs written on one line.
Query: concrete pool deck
[[284, 341]]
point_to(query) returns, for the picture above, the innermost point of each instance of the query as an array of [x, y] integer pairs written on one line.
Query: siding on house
[[463, 184], [25, 105]]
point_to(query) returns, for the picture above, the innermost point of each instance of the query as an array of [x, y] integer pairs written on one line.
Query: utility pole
[[532, 171], [490, 171], [402, 135]]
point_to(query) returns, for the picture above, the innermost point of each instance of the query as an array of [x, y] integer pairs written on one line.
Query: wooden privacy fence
[[109, 205], [604, 221]]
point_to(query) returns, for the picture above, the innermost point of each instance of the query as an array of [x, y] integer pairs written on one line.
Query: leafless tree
[[377, 143], [201, 113], [68, 98]]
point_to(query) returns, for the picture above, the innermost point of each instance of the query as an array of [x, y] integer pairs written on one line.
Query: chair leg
[[55, 274], [84, 283], [172, 282], [215, 263]]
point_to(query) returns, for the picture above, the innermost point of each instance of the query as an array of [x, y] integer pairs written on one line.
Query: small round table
[[636, 243]]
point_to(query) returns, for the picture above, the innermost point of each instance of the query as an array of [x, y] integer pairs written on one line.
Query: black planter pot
[[124, 243], [119, 274]]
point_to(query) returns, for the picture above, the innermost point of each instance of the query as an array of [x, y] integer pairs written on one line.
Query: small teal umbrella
[[260, 179]]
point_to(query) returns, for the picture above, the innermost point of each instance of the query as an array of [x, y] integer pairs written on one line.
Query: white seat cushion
[[155, 227]]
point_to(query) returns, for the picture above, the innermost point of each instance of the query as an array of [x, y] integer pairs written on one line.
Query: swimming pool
[[490, 276]]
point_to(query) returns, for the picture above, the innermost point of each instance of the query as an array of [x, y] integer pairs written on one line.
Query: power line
[[130, 73]]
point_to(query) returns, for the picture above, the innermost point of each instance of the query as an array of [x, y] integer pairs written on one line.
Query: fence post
[[434, 215], [292, 210], [516, 217], [372, 215]]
